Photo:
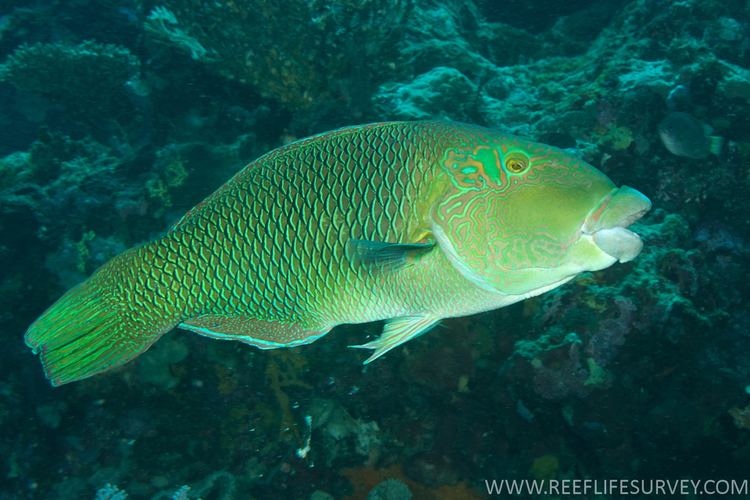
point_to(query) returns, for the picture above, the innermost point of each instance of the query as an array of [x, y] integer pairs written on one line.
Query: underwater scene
[[531, 220]]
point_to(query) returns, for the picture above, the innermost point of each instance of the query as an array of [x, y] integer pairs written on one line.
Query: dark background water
[[117, 117]]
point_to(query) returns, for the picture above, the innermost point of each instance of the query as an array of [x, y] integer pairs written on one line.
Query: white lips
[[622, 244], [606, 223]]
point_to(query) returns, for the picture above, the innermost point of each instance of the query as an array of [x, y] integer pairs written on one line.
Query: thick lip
[[607, 223], [621, 207]]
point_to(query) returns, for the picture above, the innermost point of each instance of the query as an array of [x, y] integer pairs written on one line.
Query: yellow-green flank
[[408, 222]]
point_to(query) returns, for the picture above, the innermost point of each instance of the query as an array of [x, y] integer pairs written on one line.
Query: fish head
[[520, 218]]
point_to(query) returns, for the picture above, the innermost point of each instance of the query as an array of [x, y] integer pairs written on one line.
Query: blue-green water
[[118, 117]]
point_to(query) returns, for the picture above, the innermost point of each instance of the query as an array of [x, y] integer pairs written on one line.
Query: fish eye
[[515, 163]]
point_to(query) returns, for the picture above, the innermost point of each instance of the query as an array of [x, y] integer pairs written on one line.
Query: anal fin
[[263, 334], [396, 332]]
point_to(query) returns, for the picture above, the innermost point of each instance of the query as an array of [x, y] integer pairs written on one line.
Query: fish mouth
[[607, 223]]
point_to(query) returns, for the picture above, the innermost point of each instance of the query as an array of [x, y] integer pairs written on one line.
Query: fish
[[403, 222], [686, 136], [678, 98]]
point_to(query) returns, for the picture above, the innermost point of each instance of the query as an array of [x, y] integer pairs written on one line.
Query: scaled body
[[409, 222]]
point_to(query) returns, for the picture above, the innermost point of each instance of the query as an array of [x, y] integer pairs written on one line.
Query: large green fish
[[408, 222]]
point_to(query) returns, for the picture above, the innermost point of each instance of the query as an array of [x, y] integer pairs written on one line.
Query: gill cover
[[512, 210]]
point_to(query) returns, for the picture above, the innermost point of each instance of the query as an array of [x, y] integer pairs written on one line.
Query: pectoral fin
[[396, 332], [387, 255]]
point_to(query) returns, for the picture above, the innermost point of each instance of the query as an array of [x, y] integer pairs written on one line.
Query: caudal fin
[[95, 327], [716, 145]]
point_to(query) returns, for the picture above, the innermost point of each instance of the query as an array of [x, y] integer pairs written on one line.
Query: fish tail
[[716, 145], [100, 324]]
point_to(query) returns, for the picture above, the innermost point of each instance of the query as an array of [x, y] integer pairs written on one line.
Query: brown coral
[[283, 371]]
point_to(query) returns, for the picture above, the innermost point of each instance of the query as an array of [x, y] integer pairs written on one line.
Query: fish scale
[[404, 222], [274, 249]]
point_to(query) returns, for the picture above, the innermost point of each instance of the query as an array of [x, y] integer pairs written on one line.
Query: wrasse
[[407, 222]]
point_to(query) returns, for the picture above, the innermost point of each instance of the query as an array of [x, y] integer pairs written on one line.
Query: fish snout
[[607, 223]]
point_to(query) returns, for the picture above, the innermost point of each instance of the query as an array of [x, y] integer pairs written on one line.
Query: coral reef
[[89, 79], [440, 93], [390, 489], [70, 71], [155, 367], [295, 52], [601, 315], [283, 372]]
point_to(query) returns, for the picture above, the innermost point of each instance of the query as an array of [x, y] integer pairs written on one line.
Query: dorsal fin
[[187, 215]]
